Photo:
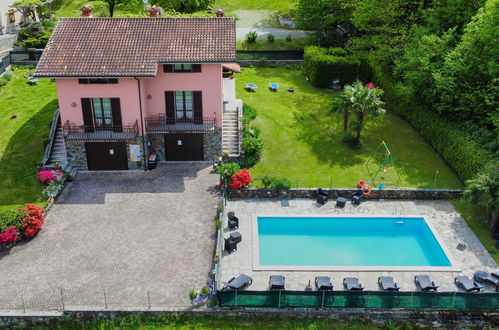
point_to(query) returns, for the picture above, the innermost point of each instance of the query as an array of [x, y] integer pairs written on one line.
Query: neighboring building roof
[[234, 67], [133, 47]]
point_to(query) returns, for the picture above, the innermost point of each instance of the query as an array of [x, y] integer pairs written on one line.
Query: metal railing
[[4, 63], [74, 132], [364, 299], [160, 124], [25, 57], [53, 131]]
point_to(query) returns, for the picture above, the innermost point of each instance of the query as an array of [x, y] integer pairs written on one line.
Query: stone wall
[[212, 144], [388, 193]]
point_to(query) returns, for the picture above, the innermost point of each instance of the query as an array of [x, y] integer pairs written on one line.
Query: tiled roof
[[132, 47]]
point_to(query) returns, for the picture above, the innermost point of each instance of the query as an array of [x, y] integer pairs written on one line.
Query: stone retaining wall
[[388, 193]]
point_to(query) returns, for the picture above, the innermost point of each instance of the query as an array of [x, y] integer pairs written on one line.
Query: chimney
[[86, 11], [220, 12]]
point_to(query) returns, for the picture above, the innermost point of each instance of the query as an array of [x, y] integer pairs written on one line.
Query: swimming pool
[[364, 243]]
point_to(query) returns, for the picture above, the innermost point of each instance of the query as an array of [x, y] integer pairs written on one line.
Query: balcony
[[161, 124], [74, 132]]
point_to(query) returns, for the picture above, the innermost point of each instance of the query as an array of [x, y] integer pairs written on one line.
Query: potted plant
[[192, 295], [204, 292], [216, 258]]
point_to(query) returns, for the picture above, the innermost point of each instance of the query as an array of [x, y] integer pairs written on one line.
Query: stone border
[[387, 193]]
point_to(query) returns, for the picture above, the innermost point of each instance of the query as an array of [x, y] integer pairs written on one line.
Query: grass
[[302, 140], [475, 218], [231, 5], [278, 44], [65, 8], [171, 321], [21, 139]]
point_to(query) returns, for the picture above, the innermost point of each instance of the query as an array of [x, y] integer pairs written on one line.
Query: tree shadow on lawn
[[19, 163]]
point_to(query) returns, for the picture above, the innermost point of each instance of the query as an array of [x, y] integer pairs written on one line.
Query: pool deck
[[441, 215]]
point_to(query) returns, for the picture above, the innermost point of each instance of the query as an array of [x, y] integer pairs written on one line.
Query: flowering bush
[[33, 221], [240, 179], [49, 176], [9, 236], [52, 189]]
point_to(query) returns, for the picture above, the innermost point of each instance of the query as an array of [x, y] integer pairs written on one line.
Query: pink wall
[[69, 91], [209, 81]]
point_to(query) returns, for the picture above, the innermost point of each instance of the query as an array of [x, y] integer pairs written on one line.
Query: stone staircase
[[230, 133], [58, 153]]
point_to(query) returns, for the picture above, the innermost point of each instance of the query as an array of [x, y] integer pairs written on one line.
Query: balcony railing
[[74, 132], [161, 124]]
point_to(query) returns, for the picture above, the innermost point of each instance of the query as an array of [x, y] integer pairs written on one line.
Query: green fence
[[365, 299]]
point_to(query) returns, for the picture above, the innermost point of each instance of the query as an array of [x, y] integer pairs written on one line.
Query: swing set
[[380, 164]]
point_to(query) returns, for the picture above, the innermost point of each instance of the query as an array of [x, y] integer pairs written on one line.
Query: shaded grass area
[[231, 5], [22, 139], [278, 44], [65, 8], [302, 139], [169, 321], [475, 218]]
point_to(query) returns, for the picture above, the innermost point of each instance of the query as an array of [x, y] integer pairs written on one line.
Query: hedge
[[10, 215], [323, 65], [457, 147]]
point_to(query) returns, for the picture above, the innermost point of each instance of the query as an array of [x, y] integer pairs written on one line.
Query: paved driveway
[[122, 236]]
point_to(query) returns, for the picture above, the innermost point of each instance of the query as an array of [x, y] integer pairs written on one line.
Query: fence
[[4, 63], [365, 299], [269, 55], [25, 57]]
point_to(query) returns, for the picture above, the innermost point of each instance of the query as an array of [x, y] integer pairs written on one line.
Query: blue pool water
[[321, 241]]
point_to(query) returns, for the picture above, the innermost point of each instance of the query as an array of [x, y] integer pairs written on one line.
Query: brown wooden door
[[184, 146], [106, 156]]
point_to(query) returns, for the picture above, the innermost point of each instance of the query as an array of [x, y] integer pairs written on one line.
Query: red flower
[[9, 235], [33, 221], [240, 179]]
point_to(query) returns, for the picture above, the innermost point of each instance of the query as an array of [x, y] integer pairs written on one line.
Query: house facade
[[130, 88]]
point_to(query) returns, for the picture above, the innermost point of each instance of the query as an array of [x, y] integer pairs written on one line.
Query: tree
[[363, 102], [324, 17], [442, 15], [340, 106], [483, 191]]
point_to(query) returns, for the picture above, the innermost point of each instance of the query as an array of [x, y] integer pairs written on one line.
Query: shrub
[[10, 216], [289, 38], [250, 37], [323, 65], [240, 179], [192, 294], [272, 182], [252, 149], [270, 37], [4, 79], [52, 189], [218, 224], [249, 114], [227, 170], [10, 235], [204, 291], [33, 221], [49, 176]]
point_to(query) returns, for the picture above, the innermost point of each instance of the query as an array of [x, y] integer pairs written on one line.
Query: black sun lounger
[[239, 283], [323, 283], [387, 283], [352, 284], [425, 282], [276, 282], [484, 277], [467, 284]]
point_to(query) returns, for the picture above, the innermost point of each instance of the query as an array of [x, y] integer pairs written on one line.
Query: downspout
[[142, 126]]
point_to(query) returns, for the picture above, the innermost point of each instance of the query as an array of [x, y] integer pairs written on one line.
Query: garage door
[[184, 147], [106, 156]]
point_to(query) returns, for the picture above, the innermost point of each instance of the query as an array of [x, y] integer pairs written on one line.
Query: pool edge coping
[[256, 250]]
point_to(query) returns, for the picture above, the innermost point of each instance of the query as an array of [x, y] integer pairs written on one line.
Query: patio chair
[[323, 283], [273, 87], [238, 283], [352, 284], [251, 87], [387, 283], [467, 284], [233, 221], [276, 282], [322, 197], [230, 245], [484, 277], [425, 283]]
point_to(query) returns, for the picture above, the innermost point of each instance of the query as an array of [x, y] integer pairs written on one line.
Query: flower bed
[[17, 222]]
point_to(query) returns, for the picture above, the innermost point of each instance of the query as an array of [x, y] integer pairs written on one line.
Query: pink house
[[132, 88]]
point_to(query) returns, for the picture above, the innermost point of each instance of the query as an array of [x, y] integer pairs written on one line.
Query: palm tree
[[364, 102], [342, 107], [483, 191]]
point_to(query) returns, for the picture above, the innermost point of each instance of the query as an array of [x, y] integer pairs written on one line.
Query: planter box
[[286, 22]]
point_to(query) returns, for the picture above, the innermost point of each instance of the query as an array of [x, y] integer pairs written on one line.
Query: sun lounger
[[32, 80], [483, 277], [251, 87], [238, 283], [352, 284], [276, 282], [274, 87], [467, 284], [387, 283], [425, 283], [323, 283]]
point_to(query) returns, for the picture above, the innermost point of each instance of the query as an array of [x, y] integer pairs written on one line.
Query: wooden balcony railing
[[74, 132], [161, 124]]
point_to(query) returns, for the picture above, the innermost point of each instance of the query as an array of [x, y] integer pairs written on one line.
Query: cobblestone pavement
[[118, 239], [449, 225]]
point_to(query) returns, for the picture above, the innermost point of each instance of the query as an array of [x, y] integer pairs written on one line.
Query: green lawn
[[475, 218], [278, 44], [21, 139], [231, 5], [302, 140]]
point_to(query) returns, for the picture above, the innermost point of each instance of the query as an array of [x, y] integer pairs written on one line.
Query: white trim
[[256, 249]]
